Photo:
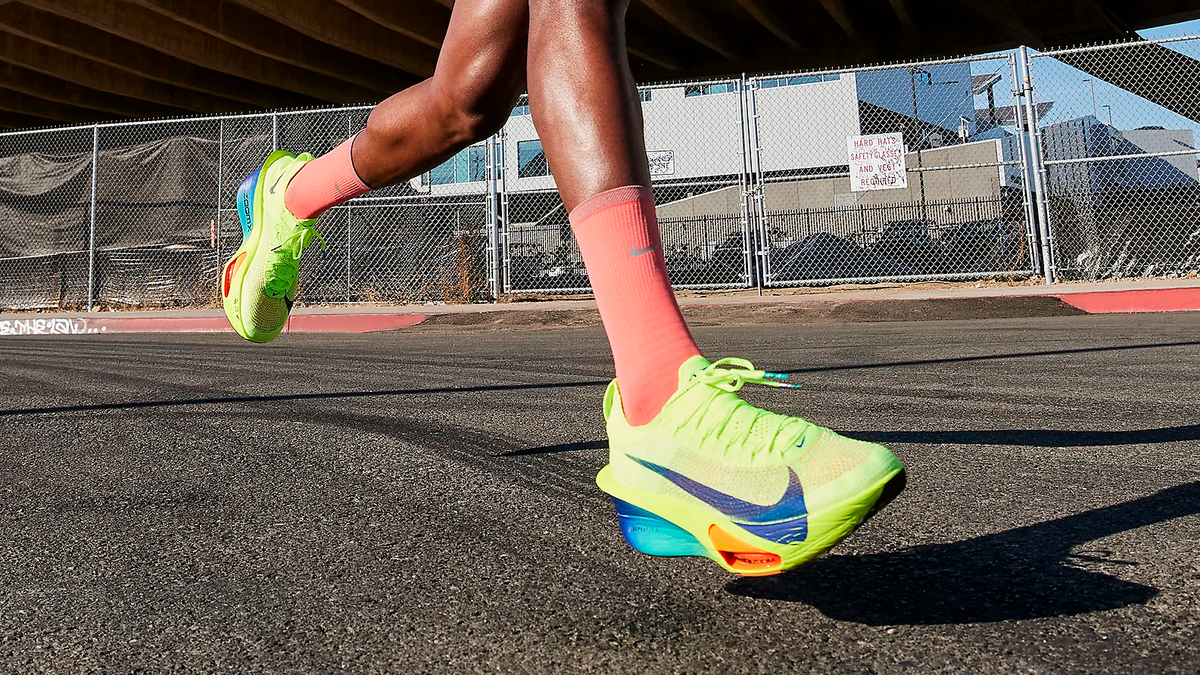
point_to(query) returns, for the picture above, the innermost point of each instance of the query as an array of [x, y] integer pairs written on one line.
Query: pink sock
[[324, 183], [618, 236]]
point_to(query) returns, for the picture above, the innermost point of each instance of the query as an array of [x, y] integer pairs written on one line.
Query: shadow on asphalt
[[1038, 438], [987, 357], [562, 447], [1026, 573], [314, 396], [134, 405]]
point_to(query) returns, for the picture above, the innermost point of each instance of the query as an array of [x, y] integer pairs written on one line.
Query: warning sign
[[877, 162]]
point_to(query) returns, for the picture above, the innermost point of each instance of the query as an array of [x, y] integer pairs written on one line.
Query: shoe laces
[[728, 424], [284, 268]]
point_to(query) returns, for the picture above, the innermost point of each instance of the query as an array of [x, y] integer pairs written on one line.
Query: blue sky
[[1072, 90]]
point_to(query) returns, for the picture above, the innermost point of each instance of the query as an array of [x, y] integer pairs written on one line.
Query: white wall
[[806, 125]]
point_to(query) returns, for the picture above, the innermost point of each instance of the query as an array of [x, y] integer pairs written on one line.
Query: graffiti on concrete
[[47, 327]]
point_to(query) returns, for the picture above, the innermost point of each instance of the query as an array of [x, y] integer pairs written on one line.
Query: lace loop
[[733, 379], [726, 413]]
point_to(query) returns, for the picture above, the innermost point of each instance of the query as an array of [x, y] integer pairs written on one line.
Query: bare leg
[[583, 98], [480, 73], [588, 114]]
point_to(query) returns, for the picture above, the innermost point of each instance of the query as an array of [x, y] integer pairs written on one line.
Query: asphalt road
[[423, 502]]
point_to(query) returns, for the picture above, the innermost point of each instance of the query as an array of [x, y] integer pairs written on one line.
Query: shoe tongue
[[691, 368]]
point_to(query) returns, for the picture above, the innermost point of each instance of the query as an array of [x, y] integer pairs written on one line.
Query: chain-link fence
[[958, 210], [1118, 126], [942, 169]]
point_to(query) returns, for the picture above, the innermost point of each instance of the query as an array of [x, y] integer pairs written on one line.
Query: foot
[[714, 476], [258, 284]]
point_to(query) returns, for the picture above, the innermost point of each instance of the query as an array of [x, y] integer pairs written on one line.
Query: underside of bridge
[[91, 60]]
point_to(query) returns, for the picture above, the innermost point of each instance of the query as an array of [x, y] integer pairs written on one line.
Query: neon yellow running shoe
[[258, 284], [714, 476]]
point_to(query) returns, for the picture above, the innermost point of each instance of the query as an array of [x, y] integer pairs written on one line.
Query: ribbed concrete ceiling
[[90, 60]]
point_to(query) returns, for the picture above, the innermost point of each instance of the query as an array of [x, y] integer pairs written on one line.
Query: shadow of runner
[[1026, 573], [1041, 438]]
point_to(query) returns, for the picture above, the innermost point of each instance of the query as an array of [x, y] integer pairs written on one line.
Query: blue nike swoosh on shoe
[[789, 507]]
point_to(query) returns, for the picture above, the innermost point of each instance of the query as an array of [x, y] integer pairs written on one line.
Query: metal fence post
[[349, 219], [220, 163], [756, 222], [1027, 198], [1039, 169], [493, 216], [274, 131], [92, 229], [746, 183], [502, 229]]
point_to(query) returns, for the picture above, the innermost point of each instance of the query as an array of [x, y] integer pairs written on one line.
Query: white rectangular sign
[[877, 162], [662, 162]]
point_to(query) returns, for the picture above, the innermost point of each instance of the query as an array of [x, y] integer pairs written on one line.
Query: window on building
[[644, 95], [706, 89], [793, 81], [531, 160], [468, 166]]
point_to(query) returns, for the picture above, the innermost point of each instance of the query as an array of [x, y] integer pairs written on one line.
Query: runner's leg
[[479, 75], [587, 111]]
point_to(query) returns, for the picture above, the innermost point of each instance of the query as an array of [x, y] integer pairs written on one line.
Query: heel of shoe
[[245, 202], [654, 535]]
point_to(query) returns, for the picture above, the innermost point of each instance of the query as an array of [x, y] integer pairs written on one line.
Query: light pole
[[1109, 108], [1093, 83]]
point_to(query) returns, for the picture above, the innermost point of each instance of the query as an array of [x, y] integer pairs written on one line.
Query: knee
[[469, 114], [559, 15]]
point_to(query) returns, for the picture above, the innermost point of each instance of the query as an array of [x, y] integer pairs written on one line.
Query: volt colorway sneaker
[[258, 283], [714, 476]]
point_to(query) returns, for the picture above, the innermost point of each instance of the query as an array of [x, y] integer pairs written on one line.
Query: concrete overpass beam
[[36, 84], [148, 29], [418, 19], [11, 120], [644, 47], [105, 48], [1000, 13], [17, 102], [900, 7], [769, 17], [87, 73], [333, 24], [694, 24], [252, 31]]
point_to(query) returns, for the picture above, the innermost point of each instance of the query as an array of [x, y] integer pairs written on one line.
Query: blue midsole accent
[[653, 534], [245, 202]]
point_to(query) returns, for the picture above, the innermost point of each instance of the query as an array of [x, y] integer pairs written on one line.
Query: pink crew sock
[[324, 183], [618, 236]]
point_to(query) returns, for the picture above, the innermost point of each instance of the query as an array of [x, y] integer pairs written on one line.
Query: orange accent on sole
[[231, 269], [742, 557]]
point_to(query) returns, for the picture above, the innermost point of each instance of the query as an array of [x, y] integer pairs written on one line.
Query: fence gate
[[964, 210]]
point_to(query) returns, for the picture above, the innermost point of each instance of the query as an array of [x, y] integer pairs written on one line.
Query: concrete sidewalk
[[931, 300]]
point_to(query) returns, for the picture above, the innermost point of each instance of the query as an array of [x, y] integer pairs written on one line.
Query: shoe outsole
[[233, 276], [691, 530]]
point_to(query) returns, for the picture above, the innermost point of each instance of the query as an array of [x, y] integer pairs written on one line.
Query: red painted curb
[[351, 323], [1130, 302], [303, 323]]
